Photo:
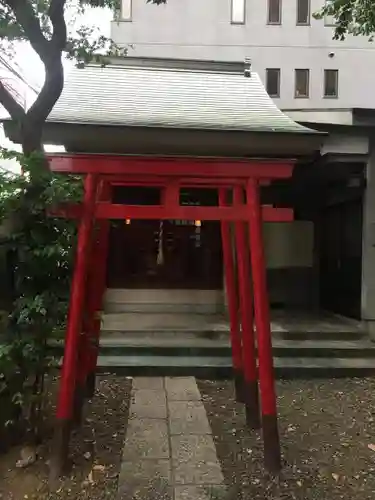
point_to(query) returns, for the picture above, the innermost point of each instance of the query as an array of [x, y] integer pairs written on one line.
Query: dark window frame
[[336, 73], [302, 96], [329, 21], [278, 70], [308, 20], [269, 21]]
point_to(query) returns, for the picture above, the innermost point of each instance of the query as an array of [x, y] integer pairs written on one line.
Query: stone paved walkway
[[169, 453]]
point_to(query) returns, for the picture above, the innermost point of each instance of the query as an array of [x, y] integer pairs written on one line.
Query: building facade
[[300, 64], [324, 83]]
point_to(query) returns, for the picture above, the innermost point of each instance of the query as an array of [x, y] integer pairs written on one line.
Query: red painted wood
[[66, 211], [230, 282], [99, 279], [171, 195], [87, 344], [262, 314], [171, 166], [112, 211], [158, 181], [245, 294], [69, 367]]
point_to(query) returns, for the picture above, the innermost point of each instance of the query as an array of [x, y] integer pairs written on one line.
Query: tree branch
[[56, 14], [29, 22], [15, 110], [51, 91]]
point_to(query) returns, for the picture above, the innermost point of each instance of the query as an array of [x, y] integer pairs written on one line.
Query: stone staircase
[[152, 333], [207, 354]]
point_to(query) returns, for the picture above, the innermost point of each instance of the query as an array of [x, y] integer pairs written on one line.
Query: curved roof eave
[[170, 98]]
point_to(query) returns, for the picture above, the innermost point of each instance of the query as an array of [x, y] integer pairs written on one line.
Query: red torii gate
[[170, 174]]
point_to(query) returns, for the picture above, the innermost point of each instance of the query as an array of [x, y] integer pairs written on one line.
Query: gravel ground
[[327, 431], [96, 451]]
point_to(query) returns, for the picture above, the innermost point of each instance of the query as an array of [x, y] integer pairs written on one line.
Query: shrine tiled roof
[[170, 98]]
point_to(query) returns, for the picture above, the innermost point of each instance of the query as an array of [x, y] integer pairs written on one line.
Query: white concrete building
[[295, 55], [325, 83]]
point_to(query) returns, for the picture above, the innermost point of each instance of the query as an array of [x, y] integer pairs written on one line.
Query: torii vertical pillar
[[272, 452], [64, 412], [232, 297], [99, 274], [247, 329]]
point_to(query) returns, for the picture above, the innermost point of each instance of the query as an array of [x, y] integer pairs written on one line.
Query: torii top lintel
[[172, 167]]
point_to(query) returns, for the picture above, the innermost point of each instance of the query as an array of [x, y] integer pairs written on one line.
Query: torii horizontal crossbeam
[[171, 166], [157, 212]]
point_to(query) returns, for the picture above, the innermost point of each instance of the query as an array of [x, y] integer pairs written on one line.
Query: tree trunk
[[31, 134]]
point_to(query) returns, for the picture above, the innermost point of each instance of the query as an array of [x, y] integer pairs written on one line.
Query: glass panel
[[329, 20], [274, 11], [238, 12], [303, 11], [331, 77], [273, 82], [126, 10], [302, 83]]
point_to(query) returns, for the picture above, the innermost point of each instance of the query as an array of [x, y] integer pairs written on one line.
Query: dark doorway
[[341, 258], [178, 254]]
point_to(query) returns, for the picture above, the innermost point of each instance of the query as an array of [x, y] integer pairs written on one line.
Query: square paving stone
[[154, 489], [146, 438], [145, 480], [150, 383], [147, 403], [209, 492], [193, 447], [197, 473], [188, 417], [182, 389]]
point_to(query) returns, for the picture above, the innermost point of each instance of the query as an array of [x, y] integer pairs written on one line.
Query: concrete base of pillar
[[370, 327]]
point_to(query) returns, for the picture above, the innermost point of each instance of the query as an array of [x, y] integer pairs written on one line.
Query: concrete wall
[[368, 248], [289, 244], [289, 253], [197, 29], [346, 144]]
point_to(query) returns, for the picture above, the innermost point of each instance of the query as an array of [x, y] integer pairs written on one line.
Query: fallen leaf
[[336, 477], [371, 447], [99, 467]]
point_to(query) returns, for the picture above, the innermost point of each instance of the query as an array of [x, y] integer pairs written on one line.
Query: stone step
[[223, 333], [167, 301], [220, 367], [162, 321], [150, 308], [221, 347]]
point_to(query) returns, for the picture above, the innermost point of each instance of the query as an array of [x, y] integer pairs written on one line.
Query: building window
[[238, 11], [302, 82], [329, 20], [273, 82], [274, 11], [303, 12], [331, 83], [126, 10]]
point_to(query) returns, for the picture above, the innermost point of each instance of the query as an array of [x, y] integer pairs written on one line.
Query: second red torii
[[88, 285]]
